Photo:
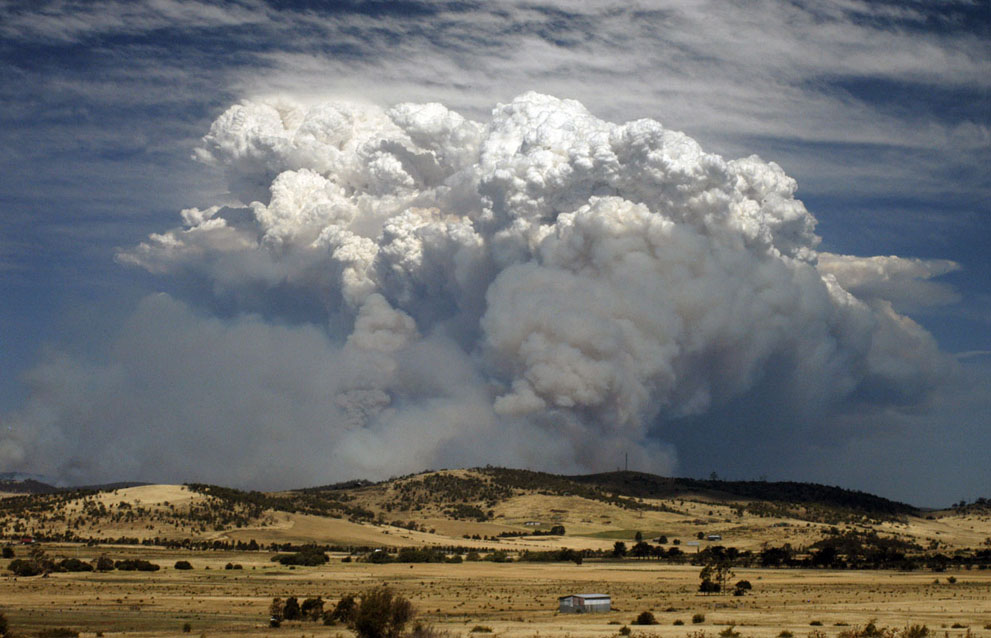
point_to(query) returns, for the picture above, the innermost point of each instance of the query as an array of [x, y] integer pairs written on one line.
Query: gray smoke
[[411, 289]]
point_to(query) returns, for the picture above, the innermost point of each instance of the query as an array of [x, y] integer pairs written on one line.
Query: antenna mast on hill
[[626, 463]]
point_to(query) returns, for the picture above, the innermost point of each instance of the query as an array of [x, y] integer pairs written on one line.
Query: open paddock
[[515, 600]]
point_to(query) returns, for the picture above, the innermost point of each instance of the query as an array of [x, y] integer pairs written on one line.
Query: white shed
[[584, 603]]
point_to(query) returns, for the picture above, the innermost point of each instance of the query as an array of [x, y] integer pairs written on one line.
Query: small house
[[714, 537], [584, 603]]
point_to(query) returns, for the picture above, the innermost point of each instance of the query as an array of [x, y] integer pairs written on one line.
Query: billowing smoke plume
[[406, 288]]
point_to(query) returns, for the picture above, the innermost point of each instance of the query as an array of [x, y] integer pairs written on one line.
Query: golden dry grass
[[516, 600]]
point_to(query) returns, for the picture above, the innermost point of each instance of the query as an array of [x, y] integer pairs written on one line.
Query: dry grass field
[[513, 599]]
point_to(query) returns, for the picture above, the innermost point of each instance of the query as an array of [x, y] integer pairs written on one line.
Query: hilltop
[[514, 509]]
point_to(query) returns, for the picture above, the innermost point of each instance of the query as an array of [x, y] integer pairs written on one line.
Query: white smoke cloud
[[543, 289]]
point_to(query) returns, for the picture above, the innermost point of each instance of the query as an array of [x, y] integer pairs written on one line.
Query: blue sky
[[879, 110]]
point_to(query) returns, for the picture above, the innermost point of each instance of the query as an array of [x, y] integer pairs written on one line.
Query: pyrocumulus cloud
[[406, 288]]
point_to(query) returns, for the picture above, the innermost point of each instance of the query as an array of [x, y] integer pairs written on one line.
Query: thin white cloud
[[72, 20], [905, 283]]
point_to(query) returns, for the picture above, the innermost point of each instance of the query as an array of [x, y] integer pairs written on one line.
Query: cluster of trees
[[644, 550], [418, 491], [582, 486], [290, 609], [327, 502], [715, 576], [136, 564], [376, 613], [555, 530], [308, 556], [463, 511], [562, 555], [39, 562]]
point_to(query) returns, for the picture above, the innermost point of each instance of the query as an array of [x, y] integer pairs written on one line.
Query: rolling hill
[[487, 507]]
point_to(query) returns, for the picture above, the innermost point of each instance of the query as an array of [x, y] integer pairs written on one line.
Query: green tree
[[343, 611], [291, 610], [312, 608], [716, 572], [619, 549], [382, 613]]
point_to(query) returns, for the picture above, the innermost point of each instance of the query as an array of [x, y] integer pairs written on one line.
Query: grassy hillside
[[521, 510]]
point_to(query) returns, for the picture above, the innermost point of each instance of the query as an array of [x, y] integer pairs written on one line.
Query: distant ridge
[[626, 486], [26, 486], [643, 485], [21, 483], [105, 487], [638, 485]]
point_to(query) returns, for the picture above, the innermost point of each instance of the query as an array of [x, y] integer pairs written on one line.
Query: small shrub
[[625, 631], [679, 622], [645, 618], [730, 633], [816, 623], [186, 627], [951, 579], [427, 631], [786, 634], [916, 631], [8, 552], [3, 624], [182, 564], [481, 629], [58, 632], [957, 625], [698, 619]]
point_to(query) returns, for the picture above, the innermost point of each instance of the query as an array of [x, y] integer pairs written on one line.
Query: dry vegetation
[[491, 513]]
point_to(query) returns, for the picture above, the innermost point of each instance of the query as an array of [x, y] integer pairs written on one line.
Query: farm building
[[714, 537], [584, 603]]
